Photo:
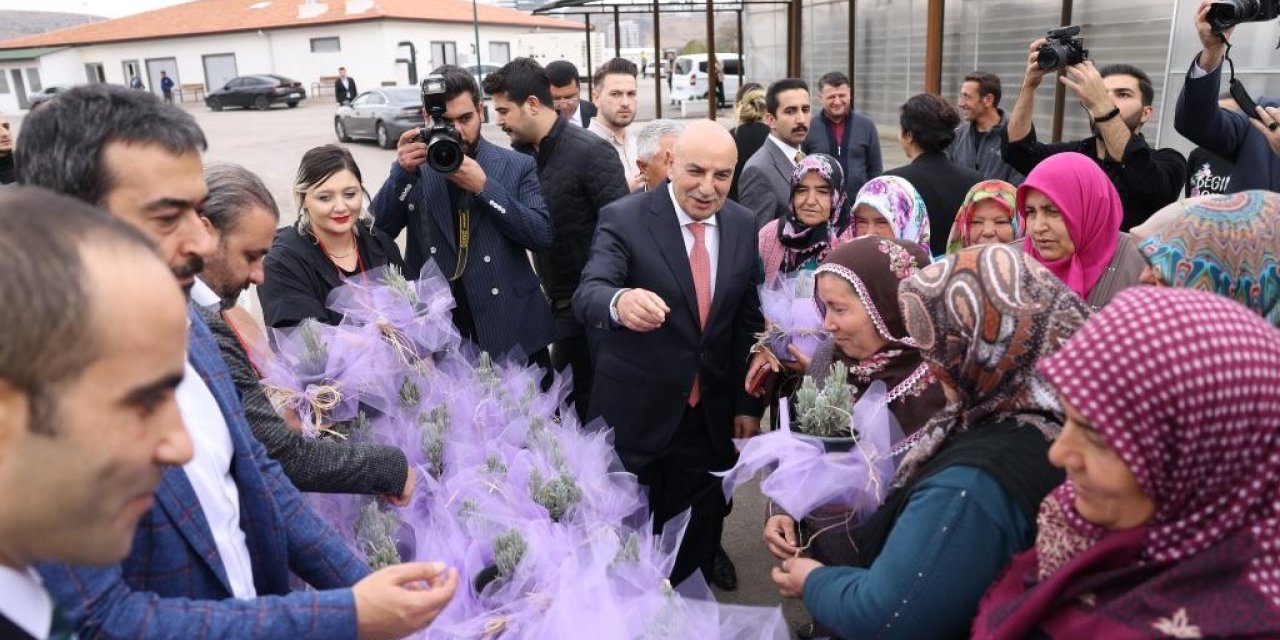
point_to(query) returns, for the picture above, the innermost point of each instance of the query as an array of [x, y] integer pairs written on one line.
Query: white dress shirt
[[787, 150], [24, 601], [210, 475], [625, 146]]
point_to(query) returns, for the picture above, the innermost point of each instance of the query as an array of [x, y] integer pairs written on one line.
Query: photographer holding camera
[[1250, 137], [475, 213], [1118, 98]]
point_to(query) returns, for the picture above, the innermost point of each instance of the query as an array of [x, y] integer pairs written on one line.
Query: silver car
[[381, 114]]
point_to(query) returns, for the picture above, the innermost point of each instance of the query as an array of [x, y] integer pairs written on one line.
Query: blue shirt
[[958, 531]]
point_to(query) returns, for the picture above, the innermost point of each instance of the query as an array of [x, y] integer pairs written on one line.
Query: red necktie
[[700, 265]]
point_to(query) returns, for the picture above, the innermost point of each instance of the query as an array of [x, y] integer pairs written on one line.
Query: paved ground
[[271, 143]]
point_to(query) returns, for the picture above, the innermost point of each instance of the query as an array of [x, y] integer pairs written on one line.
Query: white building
[[202, 44]]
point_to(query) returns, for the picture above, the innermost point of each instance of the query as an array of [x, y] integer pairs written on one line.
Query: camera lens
[[444, 154], [1228, 13], [1051, 56]]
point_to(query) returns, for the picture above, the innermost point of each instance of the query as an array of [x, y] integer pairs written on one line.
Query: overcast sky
[[108, 8]]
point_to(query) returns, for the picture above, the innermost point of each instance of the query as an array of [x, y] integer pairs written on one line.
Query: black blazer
[[588, 109], [642, 380], [340, 91], [299, 276], [11, 631], [943, 184]]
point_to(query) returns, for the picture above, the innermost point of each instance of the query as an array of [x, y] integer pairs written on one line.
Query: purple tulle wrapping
[[501, 464], [792, 316], [802, 475]]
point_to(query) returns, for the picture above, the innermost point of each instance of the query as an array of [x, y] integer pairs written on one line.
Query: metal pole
[[795, 47], [933, 48], [658, 62], [1060, 92], [853, 29], [712, 81], [741, 49], [475, 20], [617, 34], [588, 25]]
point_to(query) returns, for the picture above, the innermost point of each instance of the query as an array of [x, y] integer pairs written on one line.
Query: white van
[[690, 79]]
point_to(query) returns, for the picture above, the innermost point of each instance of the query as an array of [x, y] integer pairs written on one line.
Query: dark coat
[[299, 276], [579, 174], [508, 218], [642, 380], [1227, 133], [340, 91], [320, 465], [588, 110], [748, 137], [860, 151], [943, 185]]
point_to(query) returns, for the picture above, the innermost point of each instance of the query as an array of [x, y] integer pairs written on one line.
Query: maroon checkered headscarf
[[1185, 387]]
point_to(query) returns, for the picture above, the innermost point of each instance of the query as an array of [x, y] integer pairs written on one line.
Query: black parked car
[[381, 114], [259, 92]]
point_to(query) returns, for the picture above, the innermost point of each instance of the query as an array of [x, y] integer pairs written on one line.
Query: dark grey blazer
[[766, 183], [318, 465]]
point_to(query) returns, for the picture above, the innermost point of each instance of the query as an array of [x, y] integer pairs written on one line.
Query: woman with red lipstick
[[1071, 215], [330, 242], [1166, 526]]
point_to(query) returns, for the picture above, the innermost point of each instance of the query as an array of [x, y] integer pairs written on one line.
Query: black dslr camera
[[444, 143], [1228, 13], [1062, 49]]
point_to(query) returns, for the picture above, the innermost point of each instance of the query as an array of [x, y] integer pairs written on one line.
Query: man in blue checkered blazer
[[213, 555]]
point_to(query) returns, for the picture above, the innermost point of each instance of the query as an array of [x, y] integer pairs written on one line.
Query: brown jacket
[[1122, 272]]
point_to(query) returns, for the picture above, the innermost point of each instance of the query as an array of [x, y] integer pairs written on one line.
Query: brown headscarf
[[874, 267]]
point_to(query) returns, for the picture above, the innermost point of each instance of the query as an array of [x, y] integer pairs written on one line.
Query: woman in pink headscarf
[[1168, 522], [1071, 214]]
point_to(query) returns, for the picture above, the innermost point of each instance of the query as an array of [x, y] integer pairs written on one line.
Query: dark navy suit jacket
[[1227, 133], [507, 218], [173, 583], [642, 380]]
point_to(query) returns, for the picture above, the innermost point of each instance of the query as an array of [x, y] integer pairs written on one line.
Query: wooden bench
[[324, 86], [193, 89]]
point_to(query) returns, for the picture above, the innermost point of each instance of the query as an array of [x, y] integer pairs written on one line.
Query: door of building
[[219, 69], [155, 66], [20, 89]]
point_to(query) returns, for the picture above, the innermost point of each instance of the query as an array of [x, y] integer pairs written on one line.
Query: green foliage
[[824, 411], [393, 279], [315, 351], [375, 535], [508, 550], [494, 464], [434, 429], [410, 394], [556, 495], [694, 46]]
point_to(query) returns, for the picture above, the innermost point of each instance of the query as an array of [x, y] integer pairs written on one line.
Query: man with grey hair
[[241, 214], [653, 151]]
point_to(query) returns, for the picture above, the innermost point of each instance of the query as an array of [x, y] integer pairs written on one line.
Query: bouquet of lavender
[[318, 372], [791, 317]]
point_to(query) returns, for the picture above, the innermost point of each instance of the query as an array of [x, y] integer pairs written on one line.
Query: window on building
[[326, 45], [93, 72], [4, 82], [33, 80], [444, 53], [499, 52]]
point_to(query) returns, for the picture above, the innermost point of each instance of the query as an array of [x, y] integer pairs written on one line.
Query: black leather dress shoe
[[723, 573]]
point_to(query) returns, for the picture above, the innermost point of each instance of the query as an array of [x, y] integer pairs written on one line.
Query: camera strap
[[464, 240]]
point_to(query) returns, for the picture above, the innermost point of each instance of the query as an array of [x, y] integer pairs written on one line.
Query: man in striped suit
[[477, 224]]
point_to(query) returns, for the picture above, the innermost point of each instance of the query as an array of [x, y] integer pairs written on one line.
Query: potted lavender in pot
[[823, 412]]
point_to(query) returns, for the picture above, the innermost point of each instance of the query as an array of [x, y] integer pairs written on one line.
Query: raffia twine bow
[[320, 399]]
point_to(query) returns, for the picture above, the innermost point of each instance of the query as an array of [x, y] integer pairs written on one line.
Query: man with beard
[[849, 137], [89, 361], [1118, 100], [765, 187], [215, 553], [613, 90], [242, 216], [579, 174], [476, 224]]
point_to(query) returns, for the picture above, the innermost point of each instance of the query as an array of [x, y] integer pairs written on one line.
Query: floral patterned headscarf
[[900, 204], [997, 191], [985, 316], [1224, 244], [804, 243]]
